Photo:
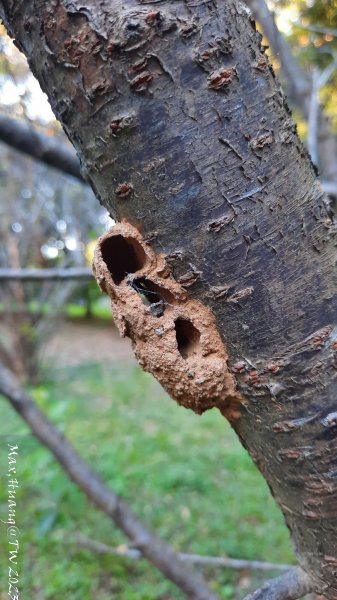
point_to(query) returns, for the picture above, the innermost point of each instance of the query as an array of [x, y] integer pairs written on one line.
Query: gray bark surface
[[183, 131]]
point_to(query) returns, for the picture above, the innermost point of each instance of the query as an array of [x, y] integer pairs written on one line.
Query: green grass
[[99, 309], [186, 476]]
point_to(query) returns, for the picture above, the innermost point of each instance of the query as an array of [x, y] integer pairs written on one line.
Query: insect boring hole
[[152, 295], [188, 338], [122, 256]]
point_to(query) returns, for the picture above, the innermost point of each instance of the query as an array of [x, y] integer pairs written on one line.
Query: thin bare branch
[[313, 119], [330, 187], [233, 563], [48, 150], [319, 80], [289, 586], [325, 75], [156, 551], [196, 559], [316, 28], [54, 274]]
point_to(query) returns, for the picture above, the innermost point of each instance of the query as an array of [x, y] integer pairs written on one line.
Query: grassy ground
[[186, 476]]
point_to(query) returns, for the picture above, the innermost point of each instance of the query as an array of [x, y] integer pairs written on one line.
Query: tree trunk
[[186, 138]]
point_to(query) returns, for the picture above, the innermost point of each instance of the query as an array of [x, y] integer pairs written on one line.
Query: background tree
[[40, 227]]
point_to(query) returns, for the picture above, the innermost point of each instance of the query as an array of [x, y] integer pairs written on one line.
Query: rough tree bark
[[185, 136], [57, 155]]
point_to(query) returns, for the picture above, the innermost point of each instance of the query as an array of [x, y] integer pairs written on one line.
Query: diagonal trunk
[[185, 136]]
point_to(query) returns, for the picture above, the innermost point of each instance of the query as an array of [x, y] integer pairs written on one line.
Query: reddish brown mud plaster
[[174, 337]]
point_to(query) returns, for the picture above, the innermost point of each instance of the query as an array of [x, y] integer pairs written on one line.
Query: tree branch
[[316, 28], [215, 561], [155, 550], [319, 80], [330, 187], [54, 274], [289, 586], [48, 150], [313, 120]]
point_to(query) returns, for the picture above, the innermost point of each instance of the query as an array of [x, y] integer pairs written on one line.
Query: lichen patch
[[174, 337]]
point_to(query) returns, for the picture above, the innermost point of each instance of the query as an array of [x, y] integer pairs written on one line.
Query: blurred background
[[184, 475]]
